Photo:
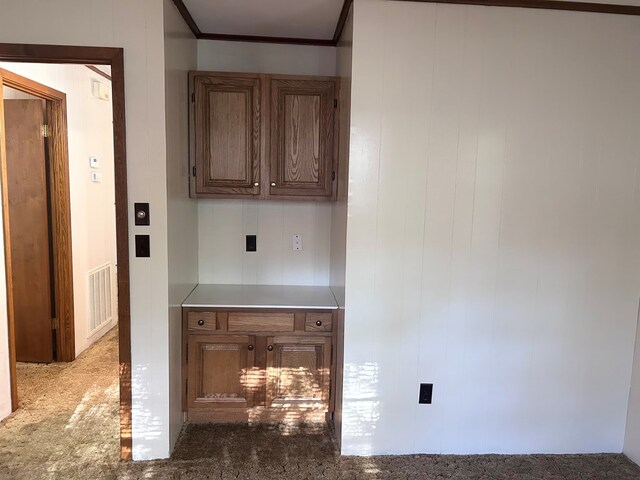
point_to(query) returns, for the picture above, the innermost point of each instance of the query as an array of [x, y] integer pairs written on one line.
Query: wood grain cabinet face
[[302, 137], [298, 372], [248, 126], [220, 371], [226, 123]]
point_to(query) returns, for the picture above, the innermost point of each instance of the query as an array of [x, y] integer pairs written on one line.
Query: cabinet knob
[[270, 348], [256, 184], [201, 322], [250, 347], [319, 323], [273, 184]]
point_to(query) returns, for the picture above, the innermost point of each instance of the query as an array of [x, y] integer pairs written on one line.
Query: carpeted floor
[[67, 428]]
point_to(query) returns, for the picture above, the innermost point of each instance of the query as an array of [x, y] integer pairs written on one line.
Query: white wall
[[339, 208], [93, 223], [492, 240], [223, 224], [632, 433], [182, 212], [138, 28], [266, 58]]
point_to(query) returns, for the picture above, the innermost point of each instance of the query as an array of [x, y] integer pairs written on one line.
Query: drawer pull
[[319, 323], [270, 348], [250, 347], [201, 322]]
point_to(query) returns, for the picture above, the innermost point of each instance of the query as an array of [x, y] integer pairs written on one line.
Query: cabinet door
[[298, 372], [226, 135], [220, 371], [302, 137]]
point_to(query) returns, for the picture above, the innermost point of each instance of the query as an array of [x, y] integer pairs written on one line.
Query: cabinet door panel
[[302, 137], [298, 371], [220, 371], [227, 135]]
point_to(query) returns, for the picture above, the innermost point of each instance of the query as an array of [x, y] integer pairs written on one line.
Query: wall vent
[[99, 297]]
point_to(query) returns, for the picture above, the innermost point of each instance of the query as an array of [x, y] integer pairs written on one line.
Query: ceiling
[[320, 22], [311, 19], [289, 21]]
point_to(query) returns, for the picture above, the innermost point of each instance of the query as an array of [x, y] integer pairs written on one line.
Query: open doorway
[[64, 341], [59, 218]]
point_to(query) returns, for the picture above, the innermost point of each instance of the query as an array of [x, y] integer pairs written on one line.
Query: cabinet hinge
[[193, 98], [186, 353], [335, 103], [193, 171], [45, 130], [55, 325], [333, 175], [186, 387]]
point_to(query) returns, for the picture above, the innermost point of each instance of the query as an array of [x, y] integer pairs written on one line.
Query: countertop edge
[[288, 307]]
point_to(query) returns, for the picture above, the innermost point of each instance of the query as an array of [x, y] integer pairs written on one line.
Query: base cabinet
[[219, 367], [279, 368], [298, 372]]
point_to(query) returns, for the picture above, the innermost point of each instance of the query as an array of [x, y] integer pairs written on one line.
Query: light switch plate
[[297, 243], [96, 177], [94, 162]]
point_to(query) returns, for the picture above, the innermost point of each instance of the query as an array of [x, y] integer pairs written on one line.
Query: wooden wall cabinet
[[263, 136], [241, 365]]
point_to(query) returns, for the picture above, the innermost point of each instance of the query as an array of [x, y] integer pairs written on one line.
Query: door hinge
[[45, 130], [55, 325], [333, 175], [193, 172], [335, 103]]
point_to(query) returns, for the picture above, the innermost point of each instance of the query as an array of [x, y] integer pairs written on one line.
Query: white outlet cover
[[297, 243], [94, 162], [96, 177]]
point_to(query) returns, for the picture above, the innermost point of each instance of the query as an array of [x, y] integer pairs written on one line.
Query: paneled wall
[[223, 224], [138, 28], [182, 212], [266, 58], [493, 229], [632, 434], [339, 208]]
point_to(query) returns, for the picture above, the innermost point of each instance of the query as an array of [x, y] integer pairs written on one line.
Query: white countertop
[[260, 296]]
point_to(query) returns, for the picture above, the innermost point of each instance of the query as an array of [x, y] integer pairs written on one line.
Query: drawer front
[[261, 322], [201, 322], [318, 322]]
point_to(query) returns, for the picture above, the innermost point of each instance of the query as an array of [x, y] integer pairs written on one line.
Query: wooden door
[[29, 229], [298, 371], [226, 135], [220, 371], [302, 162]]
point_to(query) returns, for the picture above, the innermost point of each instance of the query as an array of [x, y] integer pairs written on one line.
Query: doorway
[[38, 248], [112, 57]]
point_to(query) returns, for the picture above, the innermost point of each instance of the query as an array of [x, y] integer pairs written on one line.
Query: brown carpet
[[67, 428]]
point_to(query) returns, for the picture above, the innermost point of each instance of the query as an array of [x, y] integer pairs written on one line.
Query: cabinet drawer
[[201, 322], [261, 322], [318, 322]]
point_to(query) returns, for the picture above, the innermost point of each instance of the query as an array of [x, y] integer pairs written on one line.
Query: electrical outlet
[[251, 243], [297, 243], [426, 392]]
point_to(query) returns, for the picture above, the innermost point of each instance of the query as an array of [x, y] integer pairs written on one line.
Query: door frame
[[114, 57], [56, 118]]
